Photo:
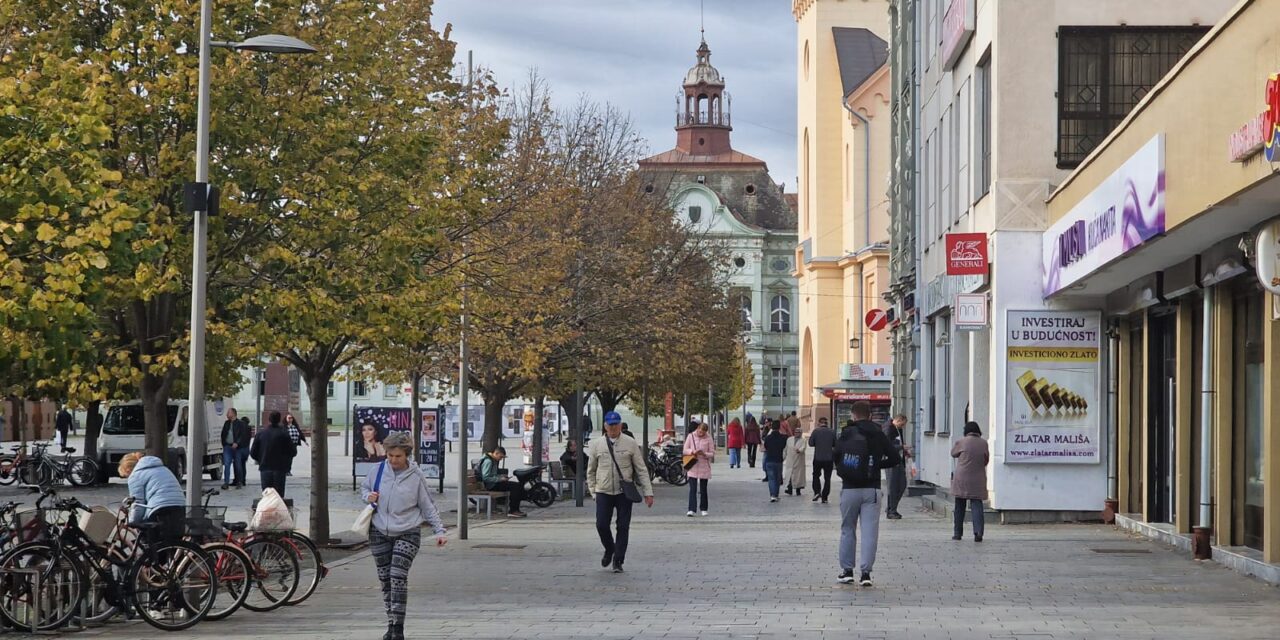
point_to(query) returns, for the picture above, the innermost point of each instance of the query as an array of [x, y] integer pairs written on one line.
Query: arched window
[[744, 308], [780, 314]]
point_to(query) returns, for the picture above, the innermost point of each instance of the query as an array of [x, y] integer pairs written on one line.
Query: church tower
[[703, 120]]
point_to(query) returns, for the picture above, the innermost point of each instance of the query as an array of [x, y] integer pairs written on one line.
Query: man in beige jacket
[[613, 459]]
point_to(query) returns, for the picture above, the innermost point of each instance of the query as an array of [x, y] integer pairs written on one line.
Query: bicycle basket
[[205, 522], [98, 524], [33, 524]]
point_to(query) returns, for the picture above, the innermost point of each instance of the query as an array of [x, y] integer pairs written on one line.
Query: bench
[[478, 495], [562, 481]]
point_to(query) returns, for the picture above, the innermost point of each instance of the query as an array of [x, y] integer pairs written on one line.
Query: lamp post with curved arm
[[201, 198]]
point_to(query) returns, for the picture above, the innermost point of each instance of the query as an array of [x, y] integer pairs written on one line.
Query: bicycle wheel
[[32, 472], [61, 587], [83, 472], [174, 585], [100, 596], [276, 574], [235, 578], [676, 474], [8, 470], [311, 569]]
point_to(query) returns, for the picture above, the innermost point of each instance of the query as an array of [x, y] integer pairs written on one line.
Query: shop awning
[[850, 390]]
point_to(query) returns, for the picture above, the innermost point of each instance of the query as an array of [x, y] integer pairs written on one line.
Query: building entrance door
[[1247, 354], [1162, 400]]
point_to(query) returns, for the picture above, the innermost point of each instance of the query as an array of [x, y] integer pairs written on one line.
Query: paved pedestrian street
[[758, 570]]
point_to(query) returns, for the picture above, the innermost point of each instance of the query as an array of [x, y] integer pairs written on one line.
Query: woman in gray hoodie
[[398, 491]]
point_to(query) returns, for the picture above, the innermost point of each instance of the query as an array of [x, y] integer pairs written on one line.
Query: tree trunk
[[566, 406], [415, 404], [538, 406], [317, 386], [155, 411], [92, 428], [494, 401], [610, 399]]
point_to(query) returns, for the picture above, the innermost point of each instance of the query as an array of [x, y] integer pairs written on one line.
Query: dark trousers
[[274, 480], [697, 486], [751, 454], [822, 477], [172, 525], [979, 517], [606, 505], [515, 493], [241, 465], [897, 487]]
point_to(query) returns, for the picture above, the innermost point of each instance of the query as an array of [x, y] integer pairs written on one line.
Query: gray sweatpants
[[855, 505]]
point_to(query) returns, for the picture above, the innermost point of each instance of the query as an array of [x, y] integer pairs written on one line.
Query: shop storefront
[[1160, 230]]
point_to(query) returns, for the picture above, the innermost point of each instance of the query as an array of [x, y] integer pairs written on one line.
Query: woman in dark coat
[[969, 480], [751, 438]]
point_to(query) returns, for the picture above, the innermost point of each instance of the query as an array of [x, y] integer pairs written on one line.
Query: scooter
[[536, 490], [664, 462]]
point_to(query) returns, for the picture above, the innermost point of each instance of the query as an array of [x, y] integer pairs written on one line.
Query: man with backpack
[[861, 451]]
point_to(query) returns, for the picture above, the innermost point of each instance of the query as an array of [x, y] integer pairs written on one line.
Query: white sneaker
[[773, 499], [690, 514], [704, 514]]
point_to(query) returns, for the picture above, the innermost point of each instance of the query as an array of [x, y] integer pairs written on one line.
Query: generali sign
[[957, 28], [966, 254], [1261, 131]]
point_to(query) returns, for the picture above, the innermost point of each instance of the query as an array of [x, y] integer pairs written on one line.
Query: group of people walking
[[617, 478], [273, 447]]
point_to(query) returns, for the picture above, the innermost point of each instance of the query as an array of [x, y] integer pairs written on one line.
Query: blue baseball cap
[[612, 418]]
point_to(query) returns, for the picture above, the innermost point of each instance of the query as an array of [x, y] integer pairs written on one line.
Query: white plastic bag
[[363, 520], [272, 514]]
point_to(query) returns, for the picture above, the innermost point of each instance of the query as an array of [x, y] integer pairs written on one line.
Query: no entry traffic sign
[[877, 319]]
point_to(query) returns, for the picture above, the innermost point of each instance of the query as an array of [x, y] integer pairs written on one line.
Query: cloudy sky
[[634, 54]]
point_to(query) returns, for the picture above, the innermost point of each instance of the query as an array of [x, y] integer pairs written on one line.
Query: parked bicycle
[[42, 469], [169, 583]]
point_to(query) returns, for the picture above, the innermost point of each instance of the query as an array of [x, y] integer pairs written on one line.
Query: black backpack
[[855, 461]]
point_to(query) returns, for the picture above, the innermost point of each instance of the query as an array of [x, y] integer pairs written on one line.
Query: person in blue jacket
[[157, 495]]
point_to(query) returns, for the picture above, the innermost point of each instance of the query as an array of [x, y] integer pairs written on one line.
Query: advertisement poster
[[475, 418], [526, 434], [373, 424], [1054, 387]]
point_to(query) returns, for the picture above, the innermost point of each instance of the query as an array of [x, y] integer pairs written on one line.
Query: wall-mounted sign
[[942, 290], [1123, 212], [957, 29], [1053, 387], [1261, 131], [877, 319], [866, 372], [970, 311], [966, 254]]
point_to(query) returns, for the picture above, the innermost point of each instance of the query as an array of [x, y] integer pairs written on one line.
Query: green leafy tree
[[360, 199]]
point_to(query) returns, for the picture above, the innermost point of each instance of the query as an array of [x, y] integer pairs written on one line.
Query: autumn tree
[[375, 161]]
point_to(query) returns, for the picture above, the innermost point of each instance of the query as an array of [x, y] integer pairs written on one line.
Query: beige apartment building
[[842, 253]]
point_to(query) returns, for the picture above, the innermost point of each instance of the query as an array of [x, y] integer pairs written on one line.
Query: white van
[[123, 432]]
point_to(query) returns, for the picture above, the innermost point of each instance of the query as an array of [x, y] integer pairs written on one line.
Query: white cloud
[[634, 53]]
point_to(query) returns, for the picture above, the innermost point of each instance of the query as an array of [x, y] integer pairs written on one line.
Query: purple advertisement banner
[[1121, 214]]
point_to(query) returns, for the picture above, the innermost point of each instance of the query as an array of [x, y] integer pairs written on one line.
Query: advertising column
[[1054, 387]]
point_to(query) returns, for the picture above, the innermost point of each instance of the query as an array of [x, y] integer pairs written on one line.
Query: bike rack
[[37, 596]]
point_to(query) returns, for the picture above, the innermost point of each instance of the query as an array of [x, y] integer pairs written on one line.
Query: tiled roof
[[676, 156], [860, 54]]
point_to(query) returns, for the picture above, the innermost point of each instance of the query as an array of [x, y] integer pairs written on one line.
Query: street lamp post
[[200, 206]]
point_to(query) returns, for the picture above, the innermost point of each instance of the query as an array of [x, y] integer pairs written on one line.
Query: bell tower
[[703, 119]]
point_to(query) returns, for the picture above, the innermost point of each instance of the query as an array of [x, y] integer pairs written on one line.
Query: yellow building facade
[[1193, 324], [843, 144]]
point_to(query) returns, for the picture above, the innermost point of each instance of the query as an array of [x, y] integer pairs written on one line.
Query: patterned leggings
[[394, 556]]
